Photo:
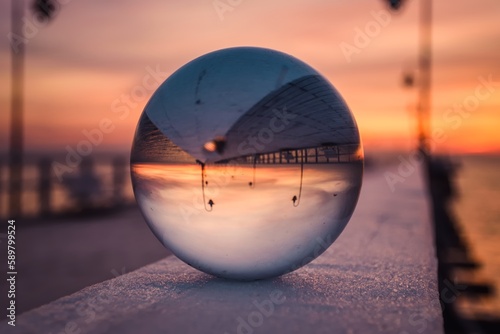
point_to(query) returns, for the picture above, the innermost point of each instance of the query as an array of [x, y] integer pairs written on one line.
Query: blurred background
[[76, 75]]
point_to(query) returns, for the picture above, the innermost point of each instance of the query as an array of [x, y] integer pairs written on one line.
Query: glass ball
[[246, 163]]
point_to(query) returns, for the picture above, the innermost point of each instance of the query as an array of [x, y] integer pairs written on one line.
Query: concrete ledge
[[380, 276]]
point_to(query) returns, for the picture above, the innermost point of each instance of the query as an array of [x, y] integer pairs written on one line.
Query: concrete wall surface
[[380, 276]]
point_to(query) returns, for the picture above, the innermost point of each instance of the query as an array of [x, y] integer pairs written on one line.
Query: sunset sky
[[81, 66]]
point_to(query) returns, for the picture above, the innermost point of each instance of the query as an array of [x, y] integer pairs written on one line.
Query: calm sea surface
[[478, 214]]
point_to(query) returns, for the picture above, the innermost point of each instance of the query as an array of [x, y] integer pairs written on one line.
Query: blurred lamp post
[[16, 120], [424, 77], [44, 10]]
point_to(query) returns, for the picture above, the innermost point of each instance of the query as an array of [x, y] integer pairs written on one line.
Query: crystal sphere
[[246, 163]]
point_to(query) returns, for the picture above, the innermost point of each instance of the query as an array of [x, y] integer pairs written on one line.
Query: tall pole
[[16, 121], [425, 57]]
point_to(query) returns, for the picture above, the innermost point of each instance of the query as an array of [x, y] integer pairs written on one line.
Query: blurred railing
[[95, 184]]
